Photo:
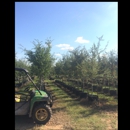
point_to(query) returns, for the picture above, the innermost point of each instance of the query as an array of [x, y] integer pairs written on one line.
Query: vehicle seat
[[32, 93]]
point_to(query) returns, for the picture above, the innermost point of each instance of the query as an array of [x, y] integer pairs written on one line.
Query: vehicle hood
[[44, 94]]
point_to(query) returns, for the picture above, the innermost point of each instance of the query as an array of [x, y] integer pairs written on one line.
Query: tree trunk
[[40, 82], [83, 85]]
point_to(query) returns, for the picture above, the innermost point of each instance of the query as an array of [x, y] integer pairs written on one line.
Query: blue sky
[[69, 24]]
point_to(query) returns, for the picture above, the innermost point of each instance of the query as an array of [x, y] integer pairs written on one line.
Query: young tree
[[113, 63], [41, 59]]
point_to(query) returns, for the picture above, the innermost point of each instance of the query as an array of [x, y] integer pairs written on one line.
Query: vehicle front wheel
[[42, 114]]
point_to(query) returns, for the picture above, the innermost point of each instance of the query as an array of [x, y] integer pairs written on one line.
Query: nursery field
[[70, 112], [83, 84]]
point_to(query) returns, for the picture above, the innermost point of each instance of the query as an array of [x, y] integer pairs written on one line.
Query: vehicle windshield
[[20, 78], [23, 81]]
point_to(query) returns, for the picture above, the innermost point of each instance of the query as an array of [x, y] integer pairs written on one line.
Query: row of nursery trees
[[78, 64], [89, 65]]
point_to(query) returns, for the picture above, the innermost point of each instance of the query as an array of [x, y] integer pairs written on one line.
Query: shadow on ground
[[102, 105], [23, 123], [54, 110]]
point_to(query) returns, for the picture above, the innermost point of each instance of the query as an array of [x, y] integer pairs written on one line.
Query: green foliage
[[88, 64], [40, 58], [22, 63]]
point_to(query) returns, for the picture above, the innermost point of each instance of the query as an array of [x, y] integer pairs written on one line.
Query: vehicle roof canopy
[[21, 69]]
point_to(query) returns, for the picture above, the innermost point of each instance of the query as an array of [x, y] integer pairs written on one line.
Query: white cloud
[[65, 47], [81, 40], [59, 55]]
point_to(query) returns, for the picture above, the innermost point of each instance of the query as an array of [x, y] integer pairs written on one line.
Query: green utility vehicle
[[32, 101]]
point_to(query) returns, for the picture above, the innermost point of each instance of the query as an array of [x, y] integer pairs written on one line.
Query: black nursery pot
[[113, 92], [95, 88], [78, 93], [65, 86], [62, 83], [105, 90], [83, 95], [68, 87], [71, 88], [74, 89], [99, 89], [92, 97], [89, 85], [56, 81]]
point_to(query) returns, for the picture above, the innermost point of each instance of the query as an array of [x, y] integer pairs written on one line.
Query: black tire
[[42, 111], [49, 95]]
